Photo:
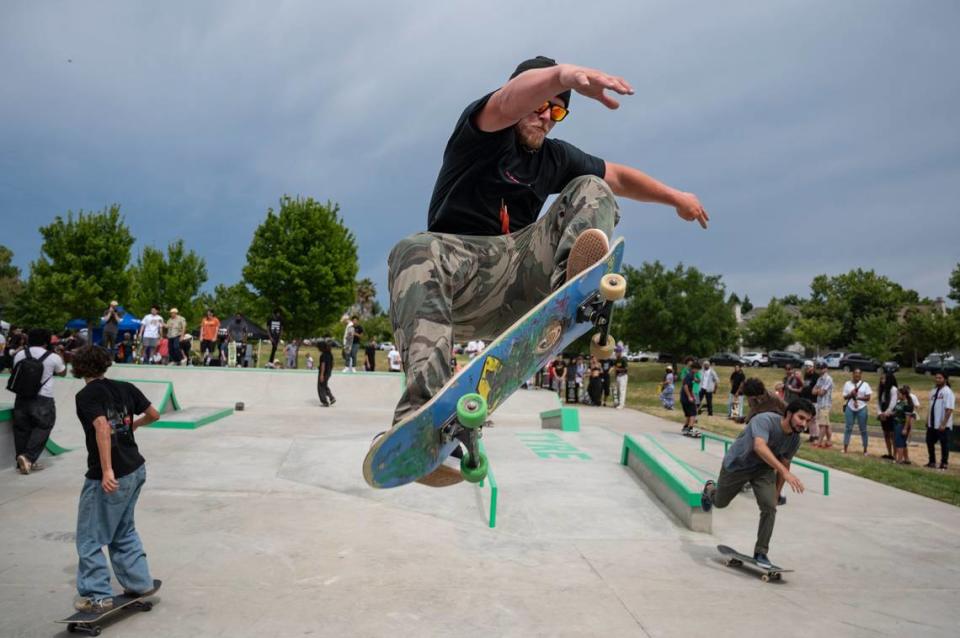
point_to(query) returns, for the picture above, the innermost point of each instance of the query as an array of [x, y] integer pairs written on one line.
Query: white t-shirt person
[[861, 399], [151, 325], [51, 365], [941, 400], [393, 358]]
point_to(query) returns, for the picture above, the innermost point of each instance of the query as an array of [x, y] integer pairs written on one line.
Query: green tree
[[850, 297], [680, 311], [304, 260], [82, 267], [171, 281], [817, 332], [747, 305], [955, 284], [877, 337], [10, 284], [924, 332], [791, 300], [769, 328], [227, 301], [366, 298]]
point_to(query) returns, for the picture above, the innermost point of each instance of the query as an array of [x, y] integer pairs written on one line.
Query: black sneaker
[[931, 465], [781, 500], [943, 466], [706, 497], [762, 560]]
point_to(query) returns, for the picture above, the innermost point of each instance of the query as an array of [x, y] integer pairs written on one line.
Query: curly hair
[[90, 362]]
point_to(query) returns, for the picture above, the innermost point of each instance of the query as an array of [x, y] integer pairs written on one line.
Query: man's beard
[[531, 138]]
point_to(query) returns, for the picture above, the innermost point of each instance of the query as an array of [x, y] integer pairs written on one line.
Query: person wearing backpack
[[34, 410], [116, 473]]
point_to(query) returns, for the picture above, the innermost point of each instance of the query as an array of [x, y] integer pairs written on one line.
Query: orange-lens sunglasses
[[557, 112]]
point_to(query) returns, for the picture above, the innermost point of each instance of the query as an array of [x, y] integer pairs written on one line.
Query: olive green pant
[[763, 480], [445, 287]]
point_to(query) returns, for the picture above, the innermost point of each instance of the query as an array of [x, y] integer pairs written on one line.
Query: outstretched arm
[[629, 182], [520, 96]]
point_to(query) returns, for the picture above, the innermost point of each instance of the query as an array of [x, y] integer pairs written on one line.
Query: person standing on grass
[[810, 377], [370, 356], [761, 456], [209, 329], [735, 398], [823, 392], [911, 420], [115, 475], [149, 333], [792, 383], [324, 372], [688, 399], [176, 329], [708, 385], [620, 370], [940, 420], [666, 394], [856, 398], [887, 400], [275, 332], [900, 417]]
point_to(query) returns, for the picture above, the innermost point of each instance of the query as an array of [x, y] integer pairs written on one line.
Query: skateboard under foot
[[90, 623], [736, 559]]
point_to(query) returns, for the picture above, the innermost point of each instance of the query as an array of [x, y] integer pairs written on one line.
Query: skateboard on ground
[[736, 559], [90, 622], [417, 445]]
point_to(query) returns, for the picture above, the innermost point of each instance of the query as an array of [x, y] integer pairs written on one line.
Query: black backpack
[[26, 378]]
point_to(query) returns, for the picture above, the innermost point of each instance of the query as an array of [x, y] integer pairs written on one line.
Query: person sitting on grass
[[761, 456]]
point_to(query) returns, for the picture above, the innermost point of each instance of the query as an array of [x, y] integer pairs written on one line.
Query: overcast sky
[[820, 136]]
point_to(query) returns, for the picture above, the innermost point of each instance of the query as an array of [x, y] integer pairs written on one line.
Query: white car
[[755, 359], [833, 359], [386, 346], [641, 356]]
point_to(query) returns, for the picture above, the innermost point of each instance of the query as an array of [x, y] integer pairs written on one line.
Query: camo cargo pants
[[447, 287]]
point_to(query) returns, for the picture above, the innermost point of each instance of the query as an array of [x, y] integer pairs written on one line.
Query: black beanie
[[541, 62]]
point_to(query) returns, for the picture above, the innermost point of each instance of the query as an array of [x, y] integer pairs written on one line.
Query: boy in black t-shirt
[[324, 370], [115, 476]]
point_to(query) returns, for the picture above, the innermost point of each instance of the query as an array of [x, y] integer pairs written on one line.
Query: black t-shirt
[[735, 380], [326, 358], [620, 366], [119, 402], [559, 368], [481, 171], [688, 382]]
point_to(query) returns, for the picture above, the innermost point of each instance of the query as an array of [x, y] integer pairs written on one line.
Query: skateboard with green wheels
[[455, 416]]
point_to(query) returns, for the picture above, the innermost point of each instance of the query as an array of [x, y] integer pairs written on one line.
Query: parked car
[[780, 359], [726, 359], [833, 359], [641, 356], [935, 363], [755, 359], [854, 360], [386, 346]]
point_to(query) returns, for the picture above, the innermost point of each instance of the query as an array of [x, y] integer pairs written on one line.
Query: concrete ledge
[[676, 484], [191, 418], [565, 419], [810, 465]]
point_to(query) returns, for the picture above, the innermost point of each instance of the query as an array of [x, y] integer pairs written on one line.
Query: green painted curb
[[691, 498], [192, 425]]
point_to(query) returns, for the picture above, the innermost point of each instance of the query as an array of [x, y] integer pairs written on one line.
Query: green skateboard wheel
[[474, 474], [471, 411]]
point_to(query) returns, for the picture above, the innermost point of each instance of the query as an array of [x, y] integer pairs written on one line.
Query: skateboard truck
[[597, 309], [466, 428]]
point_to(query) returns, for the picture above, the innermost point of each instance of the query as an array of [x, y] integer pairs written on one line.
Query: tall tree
[[82, 267], [366, 298], [877, 337], [769, 328], [852, 296], [747, 305], [955, 284], [304, 260], [923, 332], [817, 332], [170, 281], [227, 301], [10, 284], [680, 311]]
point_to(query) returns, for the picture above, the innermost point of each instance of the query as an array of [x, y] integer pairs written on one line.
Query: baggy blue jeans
[[107, 519], [848, 418]]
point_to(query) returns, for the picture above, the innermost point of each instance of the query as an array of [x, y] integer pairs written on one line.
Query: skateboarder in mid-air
[[486, 258], [761, 456]]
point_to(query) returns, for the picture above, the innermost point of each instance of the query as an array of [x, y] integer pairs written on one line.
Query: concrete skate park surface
[[260, 523]]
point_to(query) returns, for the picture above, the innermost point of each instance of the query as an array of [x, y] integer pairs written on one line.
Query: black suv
[[935, 363], [726, 359], [856, 360], [780, 359]]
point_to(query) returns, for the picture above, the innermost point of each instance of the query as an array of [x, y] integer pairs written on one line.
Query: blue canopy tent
[[128, 323]]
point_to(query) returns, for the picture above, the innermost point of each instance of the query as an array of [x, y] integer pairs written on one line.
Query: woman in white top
[[856, 398]]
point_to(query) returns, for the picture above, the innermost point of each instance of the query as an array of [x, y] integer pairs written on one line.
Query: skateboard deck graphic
[[415, 446], [90, 622], [736, 559]]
